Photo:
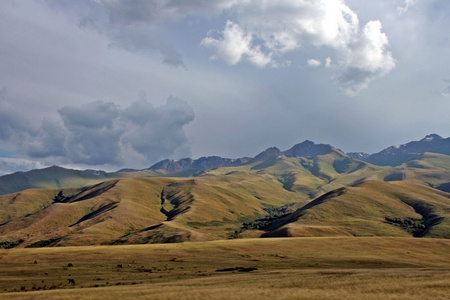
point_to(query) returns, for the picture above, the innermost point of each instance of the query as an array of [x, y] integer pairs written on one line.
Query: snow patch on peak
[[431, 137]]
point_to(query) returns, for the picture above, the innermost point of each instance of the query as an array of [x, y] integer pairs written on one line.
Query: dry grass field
[[302, 268]]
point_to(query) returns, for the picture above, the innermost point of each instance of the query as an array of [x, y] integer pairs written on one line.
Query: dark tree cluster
[[273, 214], [413, 226], [59, 198]]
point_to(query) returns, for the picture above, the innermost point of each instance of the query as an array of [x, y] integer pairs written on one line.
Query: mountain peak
[[395, 156], [431, 137], [308, 148], [203, 163], [268, 153]]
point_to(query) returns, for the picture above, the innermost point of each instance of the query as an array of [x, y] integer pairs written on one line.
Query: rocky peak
[[203, 163], [358, 155], [172, 166], [431, 137], [268, 153], [308, 148]]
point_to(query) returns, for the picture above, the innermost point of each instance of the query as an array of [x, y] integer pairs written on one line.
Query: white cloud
[[406, 5], [236, 46], [313, 63], [265, 30], [261, 33], [365, 60]]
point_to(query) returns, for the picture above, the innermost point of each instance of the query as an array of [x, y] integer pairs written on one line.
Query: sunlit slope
[[56, 178], [273, 195], [372, 208], [213, 207], [49, 178], [91, 215], [432, 169], [310, 177], [138, 210]]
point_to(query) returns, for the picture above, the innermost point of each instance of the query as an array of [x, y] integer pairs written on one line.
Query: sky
[[111, 84]]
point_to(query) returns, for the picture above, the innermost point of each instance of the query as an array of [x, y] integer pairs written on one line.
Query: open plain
[[285, 268]]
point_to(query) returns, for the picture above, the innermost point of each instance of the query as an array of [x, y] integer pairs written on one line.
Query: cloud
[[266, 30], [364, 60], [407, 4], [47, 141], [143, 38], [157, 132], [93, 136], [446, 91], [10, 165], [135, 25], [149, 11], [261, 33], [236, 46], [12, 124], [313, 63], [102, 133]]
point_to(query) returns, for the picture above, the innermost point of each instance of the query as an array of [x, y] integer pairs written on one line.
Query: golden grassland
[[305, 268], [213, 207]]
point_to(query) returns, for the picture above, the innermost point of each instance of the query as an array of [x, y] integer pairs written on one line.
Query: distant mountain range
[[308, 190], [397, 155], [56, 177], [392, 156]]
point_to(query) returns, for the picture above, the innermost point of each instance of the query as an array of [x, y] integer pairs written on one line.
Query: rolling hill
[[308, 190], [371, 208]]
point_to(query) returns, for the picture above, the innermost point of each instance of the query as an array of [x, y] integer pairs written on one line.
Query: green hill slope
[[326, 193], [48, 178], [372, 208], [138, 210]]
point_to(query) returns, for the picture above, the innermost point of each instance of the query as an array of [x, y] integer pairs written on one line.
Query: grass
[[363, 210], [307, 268], [211, 207]]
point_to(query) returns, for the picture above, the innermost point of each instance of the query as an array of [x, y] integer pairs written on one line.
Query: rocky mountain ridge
[[397, 155], [55, 177]]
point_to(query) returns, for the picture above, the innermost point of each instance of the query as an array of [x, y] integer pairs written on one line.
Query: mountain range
[[308, 190]]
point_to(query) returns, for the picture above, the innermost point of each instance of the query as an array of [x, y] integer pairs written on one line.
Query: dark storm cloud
[[143, 38], [12, 125], [57, 54], [133, 24], [159, 129], [101, 133], [93, 137], [148, 11], [47, 141]]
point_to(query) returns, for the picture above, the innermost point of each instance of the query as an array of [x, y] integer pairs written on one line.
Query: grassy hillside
[[48, 178], [305, 268], [310, 177], [432, 169], [214, 206], [272, 195], [371, 208], [56, 178], [138, 210]]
